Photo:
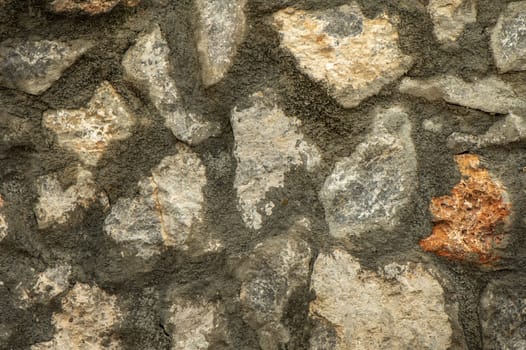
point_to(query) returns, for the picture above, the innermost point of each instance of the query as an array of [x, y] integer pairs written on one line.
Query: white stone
[[353, 55], [147, 65], [221, 28], [508, 40], [268, 145], [489, 94], [88, 131], [33, 66], [367, 190], [401, 307], [450, 17]]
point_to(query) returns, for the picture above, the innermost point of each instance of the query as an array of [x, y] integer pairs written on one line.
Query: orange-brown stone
[[470, 223]]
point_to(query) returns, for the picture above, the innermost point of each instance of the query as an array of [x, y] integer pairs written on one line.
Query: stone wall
[[262, 174]]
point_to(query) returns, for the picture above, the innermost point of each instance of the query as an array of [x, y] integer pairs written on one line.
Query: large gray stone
[[147, 65], [367, 190], [221, 27], [490, 94], [268, 145], [33, 66], [354, 56], [508, 40], [450, 17]]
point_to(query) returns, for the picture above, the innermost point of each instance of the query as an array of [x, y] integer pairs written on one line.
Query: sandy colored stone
[[352, 55], [90, 7], [221, 27], [44, 287], [33, 66], [86, 321], [89, 131], [3, 222], [508, 39], [147, 65], [490, 94], [367, 190], [268, 145], [400, 307], [470, 223], [450, 17]]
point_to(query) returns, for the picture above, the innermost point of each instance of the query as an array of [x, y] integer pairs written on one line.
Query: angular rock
[[3, 222], [89, 131], [273, 271], [33, 66], [450, 17], [490, 94], [47, 285], [503, 316], [268, 145], [367, 190], [401, 307], [86, 321], [56, 205], [168, 210], [352, 55], [508, 40], [147, 65], [470, 224], [510, 129], [89, 7], [220, 29]]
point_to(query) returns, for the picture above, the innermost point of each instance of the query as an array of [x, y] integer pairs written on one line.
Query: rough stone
[[56, 205], [353, 55], [167, 211], [503, 315], [89, 131], [268, 145], [470, 224], [510, 129], [503, 98], [86, 321], [3, 222], [367, 190], [450, 17], [400, 307], [14, 131], [508, 40], [47, 285], [272, 272], [89, 7], [147, 65], [221, 28], [33, 66]]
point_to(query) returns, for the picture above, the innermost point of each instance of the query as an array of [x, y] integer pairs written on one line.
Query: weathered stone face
[[508, 40], [367, 190], [3, 222], [89, 7], [450, 17], [351, 54], [45, 287]]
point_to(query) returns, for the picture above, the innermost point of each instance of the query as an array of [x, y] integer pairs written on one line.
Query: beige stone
[[3, 222], [450, 17], [90, 7]]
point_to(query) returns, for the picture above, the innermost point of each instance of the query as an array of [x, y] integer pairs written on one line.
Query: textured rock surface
[[86, 321], [3, 222], [450, 17], [168, 209], [14, 131], [90, 7], [468, 94], [401, 307], [268, 145], [89, 131], [507, 130], [147, 65], [353, 55], [273, 271], [48, 284], [508, 40], [469, 224], [33, 66], [221, 28], [503, 315], [367, 190]]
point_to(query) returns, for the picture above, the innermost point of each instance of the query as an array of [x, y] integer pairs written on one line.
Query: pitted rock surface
[[508, 40], [450, 17]]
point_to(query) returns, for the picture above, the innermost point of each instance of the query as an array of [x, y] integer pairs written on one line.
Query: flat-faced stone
[[490, 94], [89, 131], [147, 65], [89, 7], [368, 190], [508, 40], [352, 55], [268, 145], [221, 27], [450, 17], [33, 66]]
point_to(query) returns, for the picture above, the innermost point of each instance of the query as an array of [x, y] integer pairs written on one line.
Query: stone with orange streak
[[470, 224], [90, 7]]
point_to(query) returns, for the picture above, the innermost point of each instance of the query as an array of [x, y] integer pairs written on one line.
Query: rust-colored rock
[[90, 7], [470, 223]]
